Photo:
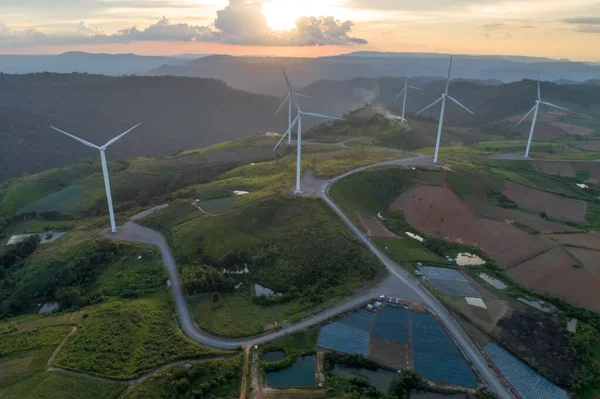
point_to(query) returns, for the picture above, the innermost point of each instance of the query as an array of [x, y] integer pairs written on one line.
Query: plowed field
[[557, 207], [553, 272], [589, 240], [439, 212]]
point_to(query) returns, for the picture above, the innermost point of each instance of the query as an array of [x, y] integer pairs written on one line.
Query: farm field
[[554, 272], [207, 379], [534, 221], [407, 250], [60, 385], [400, 339], [439, 212], [373, 227], [589, 240], [555, 206]]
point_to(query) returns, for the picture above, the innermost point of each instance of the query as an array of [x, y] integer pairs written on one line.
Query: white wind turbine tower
[[288, 133], [535, 109], [405, 91], [290, 99], [102, 149], [443, 100]]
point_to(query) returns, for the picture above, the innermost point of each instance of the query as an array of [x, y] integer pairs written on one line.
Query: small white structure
[[370, 307], [494, 282], [239, 192], [467, 259], [416, 237], [581, 185], [572, 325], [478, 302], [378, 304]]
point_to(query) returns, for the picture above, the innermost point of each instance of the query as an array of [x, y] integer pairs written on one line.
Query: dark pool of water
[[381, 378], [301, 374], [274, 356]]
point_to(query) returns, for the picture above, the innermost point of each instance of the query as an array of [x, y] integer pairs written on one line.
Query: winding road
[[399, 283]]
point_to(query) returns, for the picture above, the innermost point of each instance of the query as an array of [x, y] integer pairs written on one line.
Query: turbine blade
[[296, 104], [399, 94], [282, 104], [405, 81], [415, 88], [287, 81], [448, 80], [120, 136], [460, 105], [555, 106], [82, 141], [527, 114], [303, 95], [429, 106], [289, 131], [321, 116], [539, 91]]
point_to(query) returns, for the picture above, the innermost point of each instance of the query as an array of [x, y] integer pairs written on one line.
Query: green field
[[217, 206], [214, 379], [407, 250], [125, 338], [236, 316], [61, 385]]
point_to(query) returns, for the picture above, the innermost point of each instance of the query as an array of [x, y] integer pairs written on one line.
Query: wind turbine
[[102, 149], [290, 99], [288, 133], [405, 91], [535, 109], [443, 100]]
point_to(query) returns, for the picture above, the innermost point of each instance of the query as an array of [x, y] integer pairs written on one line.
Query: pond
[[260, 290], [301, 374], [467, 259], [273, 356], [381, 378]]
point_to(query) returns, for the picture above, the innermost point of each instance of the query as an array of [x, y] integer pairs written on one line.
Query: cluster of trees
[[205, 278], [15, 254]]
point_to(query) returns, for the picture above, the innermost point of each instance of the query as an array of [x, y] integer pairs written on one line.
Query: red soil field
[[588, 258], [591, 146], [439, 212], [589, 240], [557, 207], [553, 272], [555, 168], [374, 228], [485, 209], [569, 169]]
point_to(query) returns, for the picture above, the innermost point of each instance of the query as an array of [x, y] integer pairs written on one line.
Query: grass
[[29, 189], [378, 188], [407, 250], [299, 343], [360, 156], [132, 275], [60, 385], [236, 316], [216, 206], [124, 338], [215, 379], [593, 213], [23, 353]]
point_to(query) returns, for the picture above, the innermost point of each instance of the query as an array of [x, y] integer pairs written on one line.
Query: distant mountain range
[[177, 114], [263, 74], [180, 113], [103, 64]]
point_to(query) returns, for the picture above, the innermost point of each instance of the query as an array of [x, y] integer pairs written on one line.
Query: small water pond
[[273, 356], [467, 259], [301, 374], [381, 378], [260, 290]]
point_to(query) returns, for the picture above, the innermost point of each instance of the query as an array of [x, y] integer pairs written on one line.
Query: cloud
[[497, 26], [27, 36], [586, 24], [583, 20], [240, 22]]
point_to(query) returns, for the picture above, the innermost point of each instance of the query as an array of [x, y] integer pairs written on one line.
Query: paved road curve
[[400, 283]]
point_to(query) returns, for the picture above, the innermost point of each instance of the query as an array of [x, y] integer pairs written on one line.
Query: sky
[[303, 28]]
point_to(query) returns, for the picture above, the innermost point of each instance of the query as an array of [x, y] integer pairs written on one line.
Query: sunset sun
[[282, 14]]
